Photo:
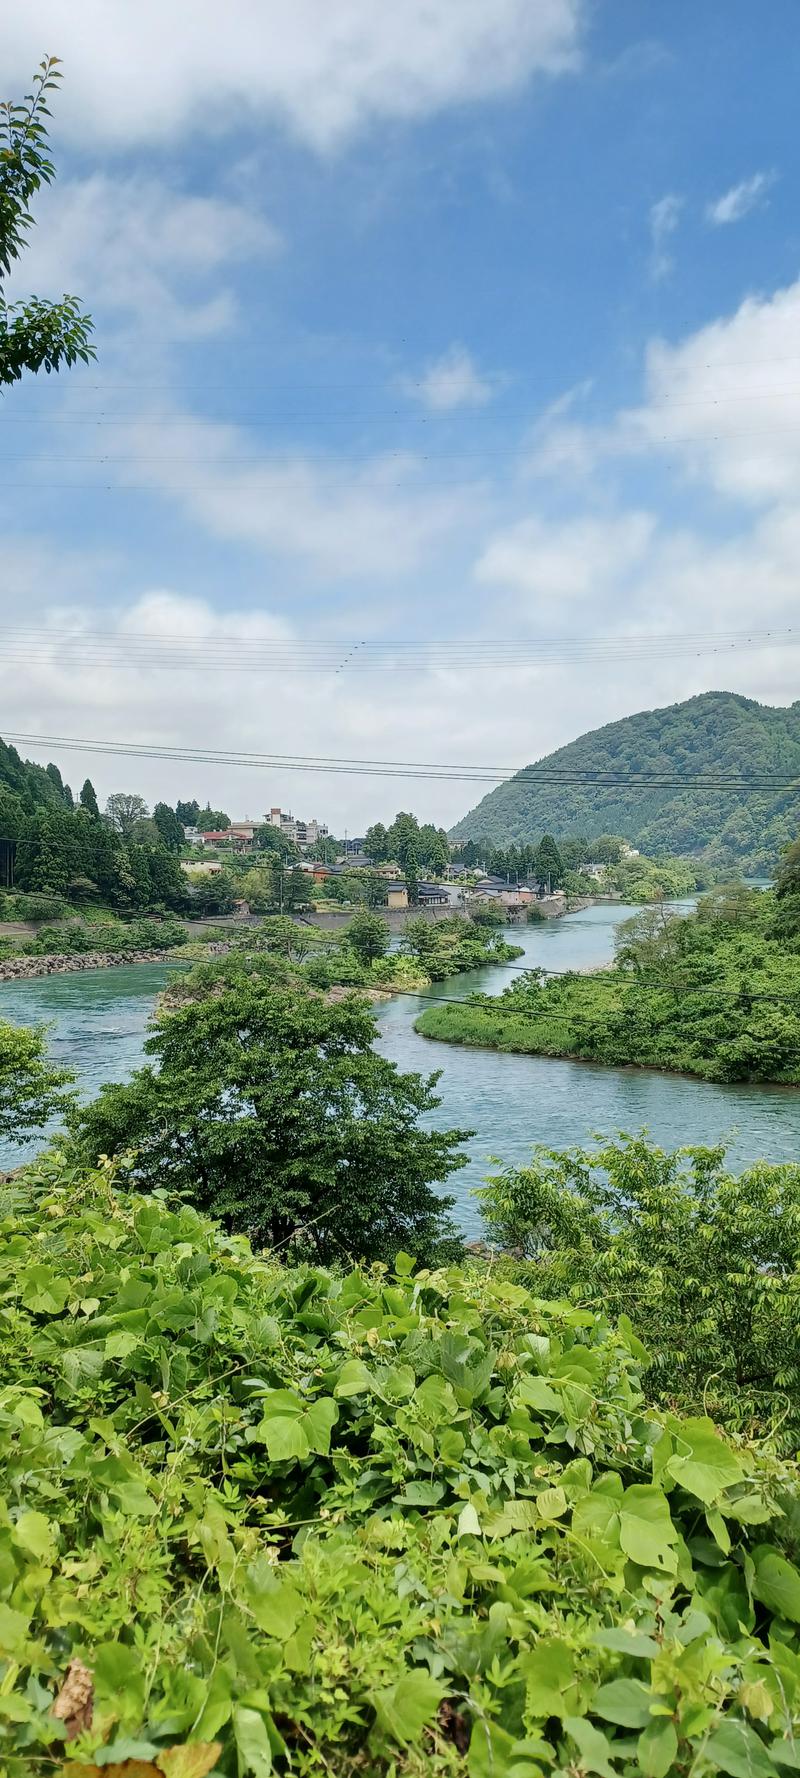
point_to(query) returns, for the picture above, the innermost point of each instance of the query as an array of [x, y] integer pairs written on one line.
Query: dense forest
[[716, 733]]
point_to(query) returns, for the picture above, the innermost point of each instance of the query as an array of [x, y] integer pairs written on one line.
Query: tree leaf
[[624, 1701], [735, 1748], [594, 1747], [657, 1747], [404, 1709], [253, 1749], [777, 1583], [708, 1466], [646, 1531]]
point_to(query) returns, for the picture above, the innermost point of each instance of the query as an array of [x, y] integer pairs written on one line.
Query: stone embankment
[[15, 969]]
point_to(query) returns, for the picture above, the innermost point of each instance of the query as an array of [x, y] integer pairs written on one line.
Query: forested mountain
[[36, 787], [717, 733]]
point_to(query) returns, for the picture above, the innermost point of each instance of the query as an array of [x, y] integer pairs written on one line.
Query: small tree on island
[[368, 936], [273, 1111]]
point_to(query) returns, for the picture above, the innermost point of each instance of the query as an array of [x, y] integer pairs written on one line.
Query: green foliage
[[704, 1263], [718, 732], [170, 829], [455, 944], [716, 995], [79, 937], [34, 334], [368, 936], [389, 1524], [547, 862], [31, 1090], [273, 1111], [88, 799], [651, 879]]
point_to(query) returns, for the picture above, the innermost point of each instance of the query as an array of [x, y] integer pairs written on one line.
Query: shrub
[[382, 1523]]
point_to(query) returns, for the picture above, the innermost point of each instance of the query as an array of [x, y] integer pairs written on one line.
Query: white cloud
[[450, 382], [141, 70], [664, 218], [549, 563], [724, 404], [378, 517], [740, 200], [143, 249]]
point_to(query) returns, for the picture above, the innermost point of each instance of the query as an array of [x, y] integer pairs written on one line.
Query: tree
[[368, 935], [273, 1111], [187, 813], [212, 820], [31, 1090], [376, 843], [547, 862], [606, 849], [89, 801], [124, 810], [704, 1263], [169, 827], [34, 334]]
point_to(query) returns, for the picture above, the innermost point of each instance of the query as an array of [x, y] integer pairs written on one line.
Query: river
[[99, 1020]]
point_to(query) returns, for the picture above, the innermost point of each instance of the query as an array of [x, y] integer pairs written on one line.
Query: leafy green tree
[[88, 799], [212, 820], [32, 1091], [34, 334], [606, 849], [368, 935], [187, 813], [271, 839], [169, 827], [547, 862], [273, 1111], [376, 843], [703, 1262], [123, 810]]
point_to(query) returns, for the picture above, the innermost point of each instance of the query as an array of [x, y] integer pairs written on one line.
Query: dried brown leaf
[[75, 1701]]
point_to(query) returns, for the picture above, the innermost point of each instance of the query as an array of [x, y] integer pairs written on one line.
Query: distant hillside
[[718, 732]]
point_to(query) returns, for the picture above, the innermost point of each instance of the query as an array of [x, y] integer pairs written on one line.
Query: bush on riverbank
[[716, 995], [117, 936], [703, 1262], [382, 1524]]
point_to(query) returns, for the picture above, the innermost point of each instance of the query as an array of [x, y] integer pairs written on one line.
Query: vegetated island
[[715, 994]]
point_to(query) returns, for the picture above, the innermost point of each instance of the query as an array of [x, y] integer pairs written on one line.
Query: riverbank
[[715, 995], [18, 969]]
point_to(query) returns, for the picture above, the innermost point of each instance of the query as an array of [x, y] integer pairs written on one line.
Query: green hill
[[716, 733]]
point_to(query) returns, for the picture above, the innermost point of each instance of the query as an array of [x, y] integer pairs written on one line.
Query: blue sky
[[447, 322]]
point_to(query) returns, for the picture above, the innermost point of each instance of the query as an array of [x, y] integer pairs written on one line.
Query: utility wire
[[561, 776]]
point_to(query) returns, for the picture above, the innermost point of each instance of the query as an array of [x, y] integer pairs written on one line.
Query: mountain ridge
[[715, 731]]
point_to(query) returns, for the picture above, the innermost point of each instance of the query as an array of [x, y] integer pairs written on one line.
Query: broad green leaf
[[594, 1747], [537, 1394], [120, 1345], [657, 1747], [403, 1709], [42, 1291], [735, 1748], [318, 1423], [253, 1749], [274, 1602], [353, 1379], [13, 1630], [284, 1438], [627, 1642], [708, 1465], [646, 1531], [551, 1503], [624, 1701], [469, 1524], [549, 1675], [777, 1583], [33, 1532]]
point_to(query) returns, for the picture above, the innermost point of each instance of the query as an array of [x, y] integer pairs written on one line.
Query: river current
[[98, 1023]]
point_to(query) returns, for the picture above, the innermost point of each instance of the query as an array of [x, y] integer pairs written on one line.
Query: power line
[[562, 777]]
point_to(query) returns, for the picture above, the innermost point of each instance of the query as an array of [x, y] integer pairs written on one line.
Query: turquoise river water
[[98, 1022]]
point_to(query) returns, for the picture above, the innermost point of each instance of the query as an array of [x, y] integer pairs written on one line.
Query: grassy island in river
[[715, 994]]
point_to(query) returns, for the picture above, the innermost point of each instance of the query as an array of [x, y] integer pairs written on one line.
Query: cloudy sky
[[443, 348]]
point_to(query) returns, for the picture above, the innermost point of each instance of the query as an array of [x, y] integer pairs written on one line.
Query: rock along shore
[[16, 969]]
